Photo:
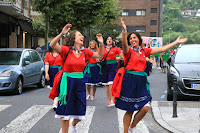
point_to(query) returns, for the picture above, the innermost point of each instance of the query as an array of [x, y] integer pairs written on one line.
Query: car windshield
[[188, 55], [10, 57]]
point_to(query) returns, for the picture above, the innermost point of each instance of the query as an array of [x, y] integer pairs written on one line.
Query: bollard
[[175, 91]]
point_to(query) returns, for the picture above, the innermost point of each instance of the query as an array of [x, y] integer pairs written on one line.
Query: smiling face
[[92, 45], [134, 40], [109, 41], [79, 38]]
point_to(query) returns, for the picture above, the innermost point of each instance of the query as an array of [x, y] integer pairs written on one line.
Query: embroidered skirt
[[134, 94], [108, 73], [76, 100], [93, 78]]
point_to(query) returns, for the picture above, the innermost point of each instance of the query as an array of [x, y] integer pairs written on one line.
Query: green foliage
[[179, 26]]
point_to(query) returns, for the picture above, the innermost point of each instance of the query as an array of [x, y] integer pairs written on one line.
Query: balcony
[[14, 8]]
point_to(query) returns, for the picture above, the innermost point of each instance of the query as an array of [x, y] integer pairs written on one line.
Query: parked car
[[19, 68], [184, 66]]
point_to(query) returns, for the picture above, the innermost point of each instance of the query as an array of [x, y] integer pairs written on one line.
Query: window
[[153, 22], [35, 56], [124, 13], [27, 57], [136, 28], [153, 10], [140, 28], [140, 13], [152, 34]]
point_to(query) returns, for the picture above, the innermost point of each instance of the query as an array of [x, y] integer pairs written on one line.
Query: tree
[[178, 26], [47, 7]]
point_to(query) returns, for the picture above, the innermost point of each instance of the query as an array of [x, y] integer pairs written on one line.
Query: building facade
[[16, 29], [143, 16]]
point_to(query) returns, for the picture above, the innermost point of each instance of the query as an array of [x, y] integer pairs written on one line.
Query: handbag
[[117, 82], [103, 61]]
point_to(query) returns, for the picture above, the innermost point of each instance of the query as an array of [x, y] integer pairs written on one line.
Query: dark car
[[20, 67], [184, 69]]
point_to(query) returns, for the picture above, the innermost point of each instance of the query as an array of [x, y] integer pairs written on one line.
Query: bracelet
[[124, 31], [102, 44], [64, 35]]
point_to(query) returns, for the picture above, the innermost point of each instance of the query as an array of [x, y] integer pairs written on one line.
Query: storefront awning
[[26, 26]]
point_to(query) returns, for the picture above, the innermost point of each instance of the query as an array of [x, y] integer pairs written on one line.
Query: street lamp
[[169, 34]]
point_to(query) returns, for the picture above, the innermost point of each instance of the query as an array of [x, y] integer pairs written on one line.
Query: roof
[[12, 49]]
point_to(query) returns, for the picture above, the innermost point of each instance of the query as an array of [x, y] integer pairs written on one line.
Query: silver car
[[19, 68]]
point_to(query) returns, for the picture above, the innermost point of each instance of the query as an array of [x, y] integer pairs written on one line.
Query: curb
[[158, 118]]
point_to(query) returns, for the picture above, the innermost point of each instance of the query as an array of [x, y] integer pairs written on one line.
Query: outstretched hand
[[123, 24], [66, 28], [99, 38], [179, 40]]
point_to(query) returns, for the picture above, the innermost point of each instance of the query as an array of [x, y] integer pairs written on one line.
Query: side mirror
[[25, 63], [169, 60]]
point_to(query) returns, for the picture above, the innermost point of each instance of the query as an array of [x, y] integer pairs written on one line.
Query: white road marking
[[24, 122], [84, 125], [141, 127], [2, 107]]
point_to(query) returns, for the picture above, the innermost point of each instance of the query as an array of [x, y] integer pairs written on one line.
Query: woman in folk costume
[[91, 72], [134, 95], [109, 69], [53, 64], [69, 84]]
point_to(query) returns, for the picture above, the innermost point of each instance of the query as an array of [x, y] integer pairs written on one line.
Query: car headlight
[[7, 73], [174, 72]]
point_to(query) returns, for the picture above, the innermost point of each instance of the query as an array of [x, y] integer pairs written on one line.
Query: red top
[[137, 63], [53, 60], [112, 54], [93, 60], [72, 63]]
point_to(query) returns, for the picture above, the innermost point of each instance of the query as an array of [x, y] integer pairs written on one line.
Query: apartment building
[[16, 29], [143, 16]]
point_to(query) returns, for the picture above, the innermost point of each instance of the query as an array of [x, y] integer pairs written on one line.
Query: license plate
[[195, 86]]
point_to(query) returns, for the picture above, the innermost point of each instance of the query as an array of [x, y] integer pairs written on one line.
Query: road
[[31, 112]]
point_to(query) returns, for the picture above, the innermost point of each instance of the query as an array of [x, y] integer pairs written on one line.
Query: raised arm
[[124, 37], [99, 54], [168, 46], [54, 44]]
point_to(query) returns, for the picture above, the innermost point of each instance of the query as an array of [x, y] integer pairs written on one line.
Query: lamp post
[[169, 34]]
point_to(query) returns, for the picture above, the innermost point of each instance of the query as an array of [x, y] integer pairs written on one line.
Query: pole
[[175, 91], [169, 34]]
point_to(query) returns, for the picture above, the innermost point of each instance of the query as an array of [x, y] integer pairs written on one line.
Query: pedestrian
[[165, 56], [91, 72], [109, 69], [53, 64], [69, 84], [161, 63], [134, 94], [157, 58], [38, 48]]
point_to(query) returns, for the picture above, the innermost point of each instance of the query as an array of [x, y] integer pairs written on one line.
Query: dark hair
[[106, 40], [50, 49], [138, 35], [70, 39]]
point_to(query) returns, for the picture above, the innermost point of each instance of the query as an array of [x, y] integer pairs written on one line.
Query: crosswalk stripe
[[24, 122], [2, 107], [141, 127], [84, 125]]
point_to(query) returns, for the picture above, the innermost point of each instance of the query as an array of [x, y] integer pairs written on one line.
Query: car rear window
[[188, 55], [10, 57]]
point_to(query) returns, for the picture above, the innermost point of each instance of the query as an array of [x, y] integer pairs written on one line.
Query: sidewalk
[[188, 112]]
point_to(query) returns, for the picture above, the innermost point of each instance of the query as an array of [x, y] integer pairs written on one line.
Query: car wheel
[[41, 84], [18, 86]]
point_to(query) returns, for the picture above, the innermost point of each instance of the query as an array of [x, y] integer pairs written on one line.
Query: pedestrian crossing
[[34, 114]]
